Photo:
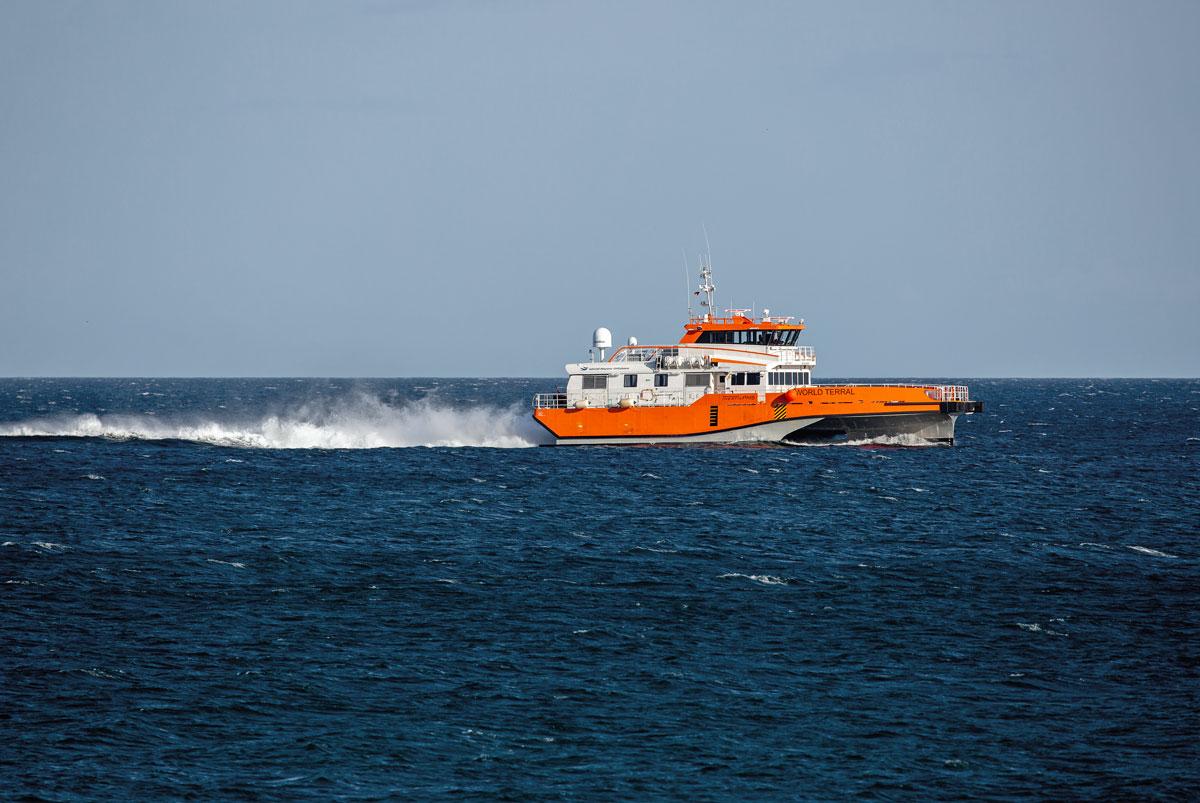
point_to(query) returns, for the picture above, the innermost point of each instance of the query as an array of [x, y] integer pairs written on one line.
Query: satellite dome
[[602, 338]]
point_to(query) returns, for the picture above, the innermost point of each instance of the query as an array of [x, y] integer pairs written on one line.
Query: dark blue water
[[211, 591]]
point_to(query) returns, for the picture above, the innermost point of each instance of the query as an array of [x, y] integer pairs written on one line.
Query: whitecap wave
[[1148, 551], [355, 422], [1034, 627], [765, 579]]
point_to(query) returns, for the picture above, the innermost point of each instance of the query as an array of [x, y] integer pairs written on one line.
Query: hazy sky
[[468, 188]]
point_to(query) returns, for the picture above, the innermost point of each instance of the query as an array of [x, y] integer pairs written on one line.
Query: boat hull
[[852, 412]]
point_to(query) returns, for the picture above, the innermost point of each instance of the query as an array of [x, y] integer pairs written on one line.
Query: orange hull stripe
[[734, 411]]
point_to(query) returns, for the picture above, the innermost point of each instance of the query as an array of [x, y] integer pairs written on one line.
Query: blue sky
[[369, 188]]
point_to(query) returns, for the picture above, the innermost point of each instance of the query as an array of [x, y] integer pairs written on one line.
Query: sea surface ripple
[[361, 590]]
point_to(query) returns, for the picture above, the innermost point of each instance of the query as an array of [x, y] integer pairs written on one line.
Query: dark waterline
[[212, 592]]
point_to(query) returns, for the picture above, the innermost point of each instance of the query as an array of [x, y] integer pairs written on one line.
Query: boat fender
[[626, 402], [582, 403]]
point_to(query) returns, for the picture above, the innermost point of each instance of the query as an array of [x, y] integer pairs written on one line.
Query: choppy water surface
[[363, 590]]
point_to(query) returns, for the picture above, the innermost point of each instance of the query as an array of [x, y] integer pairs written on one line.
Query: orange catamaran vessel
[[734, 379]]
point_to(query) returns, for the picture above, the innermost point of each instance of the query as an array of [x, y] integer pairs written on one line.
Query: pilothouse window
[[751, 337]]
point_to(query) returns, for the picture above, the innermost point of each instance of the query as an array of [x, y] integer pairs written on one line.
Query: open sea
[[369, 590]]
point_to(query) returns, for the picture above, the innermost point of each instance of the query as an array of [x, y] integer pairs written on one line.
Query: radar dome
[[632, 342], [602, 338]]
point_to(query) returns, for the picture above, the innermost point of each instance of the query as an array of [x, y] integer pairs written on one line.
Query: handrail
[[944, 392], [647, 353], [554, 401], [699, 320]]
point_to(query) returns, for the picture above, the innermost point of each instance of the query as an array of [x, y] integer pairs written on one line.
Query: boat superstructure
[[729, 379]]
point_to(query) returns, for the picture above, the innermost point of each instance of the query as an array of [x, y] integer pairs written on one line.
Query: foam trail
[[359, 422], [903, 440]]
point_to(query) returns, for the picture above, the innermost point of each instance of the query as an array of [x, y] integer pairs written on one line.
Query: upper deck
[[739, 328]]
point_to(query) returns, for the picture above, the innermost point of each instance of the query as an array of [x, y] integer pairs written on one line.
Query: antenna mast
[[687, 283], [706, 285]]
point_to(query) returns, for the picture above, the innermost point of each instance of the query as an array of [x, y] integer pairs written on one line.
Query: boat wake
[[361, 422], [902, 441]]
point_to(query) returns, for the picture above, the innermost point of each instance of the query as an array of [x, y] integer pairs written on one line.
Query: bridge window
[[745, 379], [751, 337]]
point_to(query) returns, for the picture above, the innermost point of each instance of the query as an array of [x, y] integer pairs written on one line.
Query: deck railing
[[554, 401], [647, 353], [953, 393], [936, 392]]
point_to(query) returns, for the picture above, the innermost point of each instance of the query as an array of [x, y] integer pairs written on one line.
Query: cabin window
[[745, 379], [595, 382], [789, 378], [660, 380], [631, 380], [696, 380]]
